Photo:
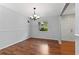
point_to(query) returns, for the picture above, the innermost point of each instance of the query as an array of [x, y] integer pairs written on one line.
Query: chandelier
[[34, 16]]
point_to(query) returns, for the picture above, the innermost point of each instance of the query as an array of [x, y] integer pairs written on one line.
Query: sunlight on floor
[[44, 49]]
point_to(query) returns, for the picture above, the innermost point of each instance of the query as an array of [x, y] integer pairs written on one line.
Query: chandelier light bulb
[[31, 17], [35, 16], [38, 17]]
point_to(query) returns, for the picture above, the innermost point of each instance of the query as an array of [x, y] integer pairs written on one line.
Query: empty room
[[37, 29]]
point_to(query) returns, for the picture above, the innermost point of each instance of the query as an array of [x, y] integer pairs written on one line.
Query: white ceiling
[[42, 9], [70, 9]]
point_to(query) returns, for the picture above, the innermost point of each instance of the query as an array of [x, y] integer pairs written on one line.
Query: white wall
[[77, 28], [67, 27], [13, 27], [77, 19], [53, 28]]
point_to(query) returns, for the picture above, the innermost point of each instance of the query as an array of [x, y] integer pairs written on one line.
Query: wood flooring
[[35, 46]]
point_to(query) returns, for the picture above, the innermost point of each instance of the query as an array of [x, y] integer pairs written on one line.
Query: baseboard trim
[[42, 38], [59, 41]]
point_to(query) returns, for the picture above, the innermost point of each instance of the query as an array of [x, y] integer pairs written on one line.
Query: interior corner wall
[[67, 27], [13, 27], [77, 28], [53, 28]]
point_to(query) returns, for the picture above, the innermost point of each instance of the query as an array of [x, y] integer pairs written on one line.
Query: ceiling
[[70, 9], [42, 9]]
